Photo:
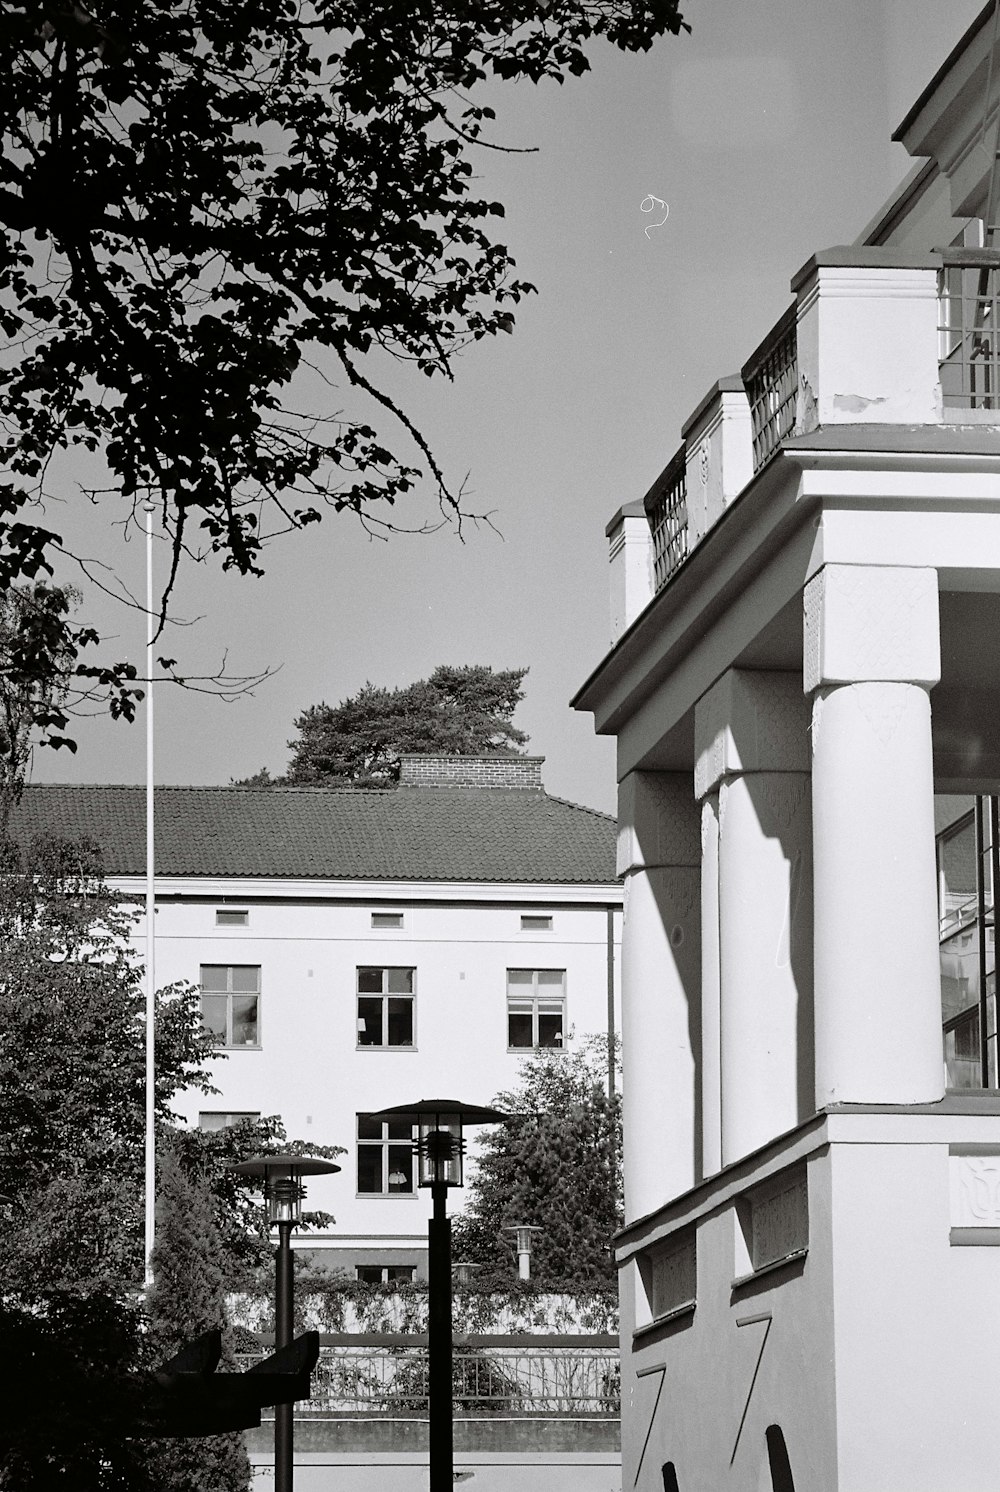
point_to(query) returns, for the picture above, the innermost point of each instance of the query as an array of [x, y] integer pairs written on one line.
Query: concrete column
[[659, 854], [872, 652], [711, 989], [751, 735]]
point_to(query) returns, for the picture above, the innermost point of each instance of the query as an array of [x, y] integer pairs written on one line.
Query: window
[[229, 917], [387, 919], [385, 1157], [531, 923], [536, 1008], [384, 1274], [212, 1120], [385, 1007], [773, 1222], [230, 1003], [669, 1275]]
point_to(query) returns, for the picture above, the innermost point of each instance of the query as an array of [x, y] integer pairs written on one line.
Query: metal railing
[[666, 511], [390, 1378], [771, 380], [969, 329]]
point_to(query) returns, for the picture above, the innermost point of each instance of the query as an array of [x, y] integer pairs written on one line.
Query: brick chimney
[[471, 771]]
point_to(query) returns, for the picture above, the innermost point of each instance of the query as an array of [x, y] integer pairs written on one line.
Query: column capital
[[659, 823], [871, 624], [750, 721]]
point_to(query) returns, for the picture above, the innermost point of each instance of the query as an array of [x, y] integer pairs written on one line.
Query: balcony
[[969, 330], [771, 378], [875, 337], [667, 515]]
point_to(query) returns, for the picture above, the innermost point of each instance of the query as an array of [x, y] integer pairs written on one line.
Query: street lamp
[[440, 1149], [283, 1192], [523, 1250]]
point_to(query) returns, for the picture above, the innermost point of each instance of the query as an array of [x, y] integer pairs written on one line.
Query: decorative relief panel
[[975, 1191], [659, 823], [775, 1219], [871, 622], [750, 722], [670, 1274]]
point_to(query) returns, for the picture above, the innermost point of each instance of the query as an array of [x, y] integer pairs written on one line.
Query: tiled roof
[[411, 834]]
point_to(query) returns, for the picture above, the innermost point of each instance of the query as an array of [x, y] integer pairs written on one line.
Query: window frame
[[228, 1045], [385, 1045], [393, 921], [229, 1117], [384, 1144], [519, 994], [221, 912], [385, 1278]]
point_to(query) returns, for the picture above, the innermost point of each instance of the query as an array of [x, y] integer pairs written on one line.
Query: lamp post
[[439, 1149], [283, 1192], [523, 1241]]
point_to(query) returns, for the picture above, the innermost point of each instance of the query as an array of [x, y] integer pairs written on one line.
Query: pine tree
[[556, 1163], [188, 1298]]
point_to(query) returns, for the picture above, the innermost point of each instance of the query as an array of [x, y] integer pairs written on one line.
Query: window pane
[[244, 1020], [519, 1029], [369, 1020], [213, 1014], [400, 1168], [225, 918], [369, 1168], [400, 1271], [369, 1128], [535, 924], [387, 919], [400, 1021], [214, 976], [550, 1030], [551, 977], [246, 978], [517, 977], [400, 1129], [212, 1122], [400, 981], [369, 981], [369, 1274]]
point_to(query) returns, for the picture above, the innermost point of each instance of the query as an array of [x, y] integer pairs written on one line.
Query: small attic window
[[535, 922], [387, 919], [230, 917]]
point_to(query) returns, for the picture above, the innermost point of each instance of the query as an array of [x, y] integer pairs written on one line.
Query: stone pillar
[[872, 652], [711, 991], [751, 739], [659, 855]]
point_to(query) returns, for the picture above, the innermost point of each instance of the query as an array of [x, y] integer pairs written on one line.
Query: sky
[[766, 132]]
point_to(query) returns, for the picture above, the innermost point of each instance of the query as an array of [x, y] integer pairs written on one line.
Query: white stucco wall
[[309, 940]]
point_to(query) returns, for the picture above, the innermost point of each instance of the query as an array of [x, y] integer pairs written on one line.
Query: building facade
[[802, 684], [359, 949]]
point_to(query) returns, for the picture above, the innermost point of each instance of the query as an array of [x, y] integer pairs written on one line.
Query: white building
[[806, 619], [358, 949]]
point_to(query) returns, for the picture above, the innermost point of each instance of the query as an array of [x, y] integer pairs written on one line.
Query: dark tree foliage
[[71, 1366], [72, 1112], [188, 1298], [239, 1217], [557, 1165], [35, 670], [72, 1116], [202, 201], [458, 711]]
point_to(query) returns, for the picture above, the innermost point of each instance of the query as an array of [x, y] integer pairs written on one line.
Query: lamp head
[[281, 1176], [440, 1145]]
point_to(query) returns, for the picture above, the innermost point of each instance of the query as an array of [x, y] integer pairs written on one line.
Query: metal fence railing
[[389, 1377], [771, 380], [666, 512], [969, 329]]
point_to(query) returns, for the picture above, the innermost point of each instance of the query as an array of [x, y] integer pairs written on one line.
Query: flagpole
[[150, 1224]]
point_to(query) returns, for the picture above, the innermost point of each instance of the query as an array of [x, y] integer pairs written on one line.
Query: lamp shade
[[440, 1145], [282, 1181]]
